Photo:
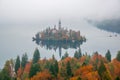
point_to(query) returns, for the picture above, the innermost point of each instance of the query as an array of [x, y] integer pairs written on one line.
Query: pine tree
[[79, 53], [56, 67], [108, 56], [51, 69], [65, 55], [76, 55], [4, 75], [68, 68], [34, 69], [102, 71], [36, 56], [24, 60], [117, 78], [118, 56], [17, 64]]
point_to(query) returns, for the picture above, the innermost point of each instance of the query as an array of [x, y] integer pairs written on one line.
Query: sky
[[23, 11]]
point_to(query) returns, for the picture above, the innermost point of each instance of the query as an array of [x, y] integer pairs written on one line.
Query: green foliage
[[102, 71], [68, 69], [36, 56], [117, 78], [51, 69], [17, 64], [54, 69], [118, 56], [4, 75], [24, 60], [34, 69], [79, 78], [108, 56], [78, 54], [53, 57]]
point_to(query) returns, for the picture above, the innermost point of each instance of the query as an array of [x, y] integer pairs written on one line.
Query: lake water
[[17, 39]]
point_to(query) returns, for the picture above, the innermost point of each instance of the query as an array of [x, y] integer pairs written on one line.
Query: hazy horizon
[[29, 11]]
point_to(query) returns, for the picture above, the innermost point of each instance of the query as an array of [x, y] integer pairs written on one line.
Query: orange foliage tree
[[44, 75]]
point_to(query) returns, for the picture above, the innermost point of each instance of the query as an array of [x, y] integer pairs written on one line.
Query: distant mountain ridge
[[112, 25], [109, 25]]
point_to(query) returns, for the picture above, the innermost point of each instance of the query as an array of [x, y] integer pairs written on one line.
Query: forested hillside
[[80, 67]]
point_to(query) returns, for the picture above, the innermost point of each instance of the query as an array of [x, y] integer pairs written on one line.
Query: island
[[58, 37]]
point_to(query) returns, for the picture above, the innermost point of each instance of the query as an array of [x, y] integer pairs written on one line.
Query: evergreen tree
[[4, 75], [117, 78], [118, 56], [34, 69], [24, 60], [51, 69], [102, 71], [76, 55], [108, 56], [65, 55], [17, 64], [54, 68], [79, 78], [68, 68], [36, 56], [53, 57], [79, 53]]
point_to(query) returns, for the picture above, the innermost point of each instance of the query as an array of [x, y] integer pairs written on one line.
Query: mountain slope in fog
[[109, 25]]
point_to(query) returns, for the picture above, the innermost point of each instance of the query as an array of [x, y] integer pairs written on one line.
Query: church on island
[[58, 34]]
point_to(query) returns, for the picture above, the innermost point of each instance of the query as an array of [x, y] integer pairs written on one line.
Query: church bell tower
[[59, 24]]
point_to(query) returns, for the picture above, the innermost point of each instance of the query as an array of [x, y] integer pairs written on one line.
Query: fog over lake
[[20, 20]]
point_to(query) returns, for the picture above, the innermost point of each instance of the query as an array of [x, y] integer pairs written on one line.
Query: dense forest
[[80, 67]]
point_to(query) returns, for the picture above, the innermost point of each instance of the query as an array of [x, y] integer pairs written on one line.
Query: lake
[[17, 39]]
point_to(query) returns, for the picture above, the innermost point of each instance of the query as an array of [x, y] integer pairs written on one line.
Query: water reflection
[[59, 44]]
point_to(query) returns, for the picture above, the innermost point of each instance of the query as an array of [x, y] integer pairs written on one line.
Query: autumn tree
[[17, 64], [118, 56], [34, 69], [24, 60], [36, 56], [108, 56], [44, 75]]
